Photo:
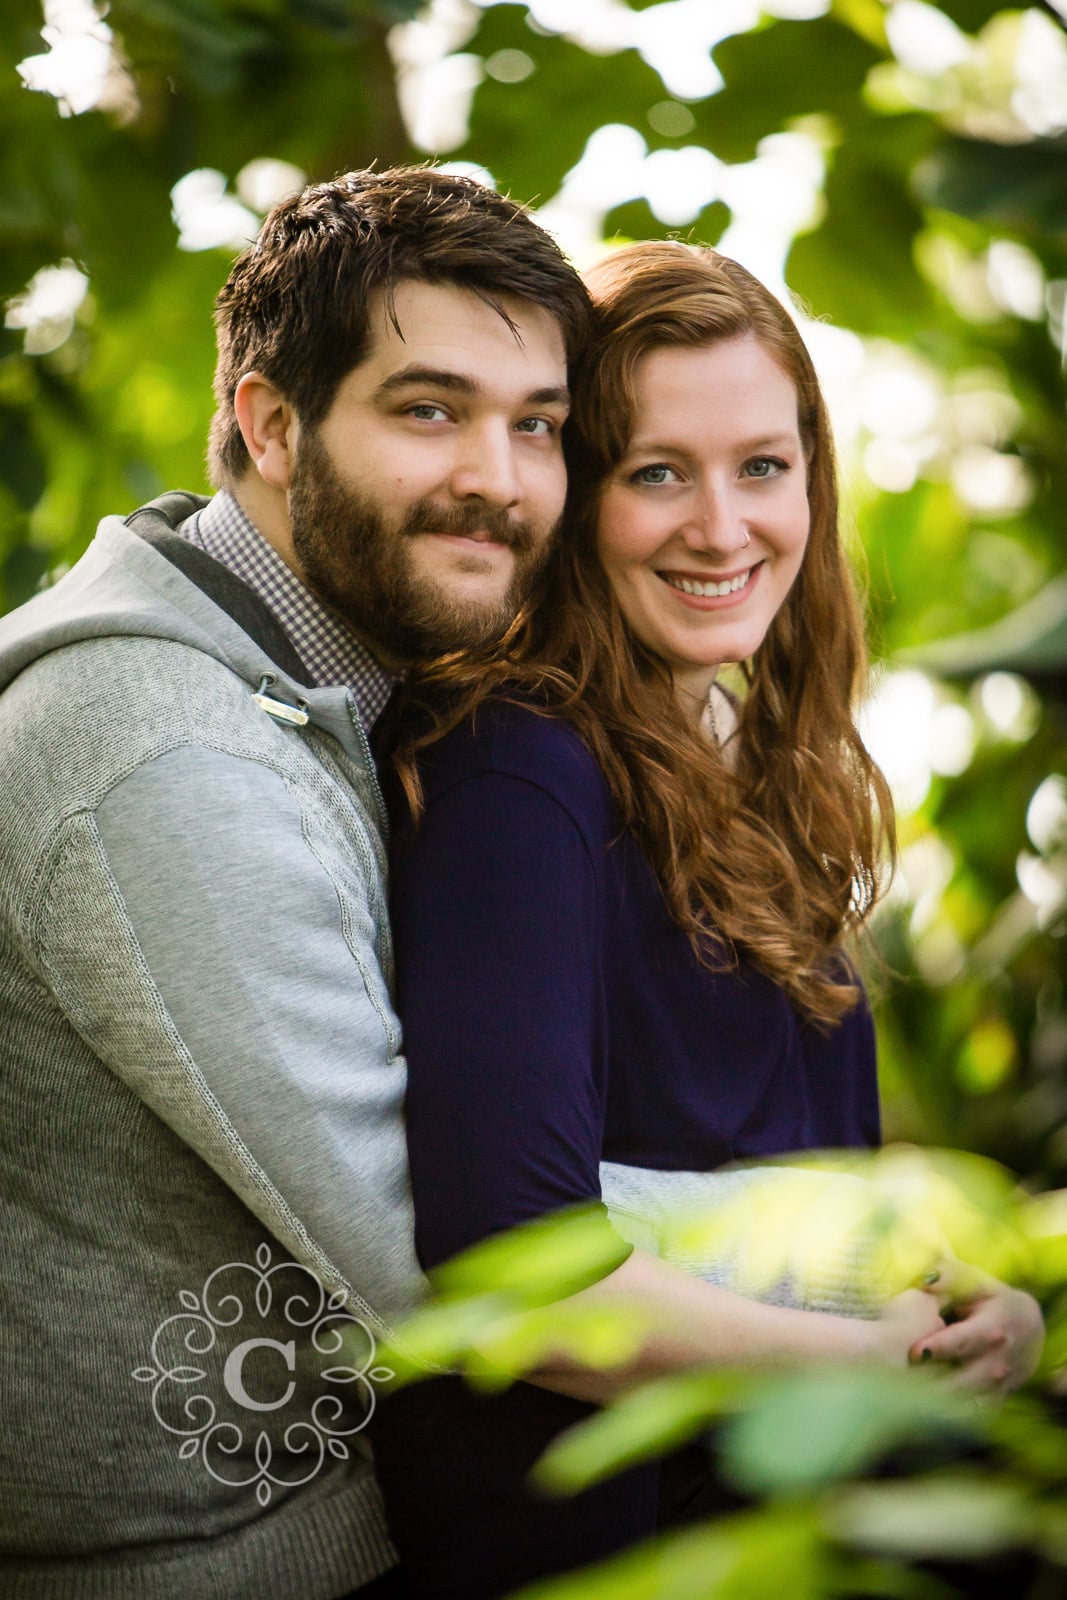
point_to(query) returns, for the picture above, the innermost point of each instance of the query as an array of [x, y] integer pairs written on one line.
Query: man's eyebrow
[[459, 383], [433, 377], [558, 396]]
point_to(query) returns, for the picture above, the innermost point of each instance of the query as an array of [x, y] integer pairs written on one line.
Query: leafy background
[[927, 215]]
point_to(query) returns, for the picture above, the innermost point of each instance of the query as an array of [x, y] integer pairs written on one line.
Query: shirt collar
[[329, 649]]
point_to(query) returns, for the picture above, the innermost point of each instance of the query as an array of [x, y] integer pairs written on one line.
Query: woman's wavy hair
[[776, 851]]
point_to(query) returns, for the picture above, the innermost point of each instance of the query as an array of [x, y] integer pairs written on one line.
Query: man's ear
[[268, 426]]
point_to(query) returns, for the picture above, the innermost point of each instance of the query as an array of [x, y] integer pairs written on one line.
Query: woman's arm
[[693, 1323], [495, 904]]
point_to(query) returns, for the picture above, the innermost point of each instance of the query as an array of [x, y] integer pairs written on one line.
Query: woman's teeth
[[707, 590]]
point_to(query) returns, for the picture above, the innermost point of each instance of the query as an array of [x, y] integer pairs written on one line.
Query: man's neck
[[268, 511]]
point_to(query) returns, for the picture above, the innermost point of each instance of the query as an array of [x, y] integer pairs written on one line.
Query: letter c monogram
[[232, 1373]]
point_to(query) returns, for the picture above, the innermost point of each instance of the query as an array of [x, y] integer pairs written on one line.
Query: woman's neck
[[694, 696]]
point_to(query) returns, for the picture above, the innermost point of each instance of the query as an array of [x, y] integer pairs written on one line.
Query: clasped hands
[[991, 1335]]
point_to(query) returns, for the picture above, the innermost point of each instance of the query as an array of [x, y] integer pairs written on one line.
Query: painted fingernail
[[926, 1355], [931, 1278]]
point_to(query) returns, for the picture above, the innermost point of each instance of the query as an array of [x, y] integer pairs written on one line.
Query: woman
[[621, 893]]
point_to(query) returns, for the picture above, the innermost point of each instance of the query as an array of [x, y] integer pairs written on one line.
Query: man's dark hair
[[296, 304]]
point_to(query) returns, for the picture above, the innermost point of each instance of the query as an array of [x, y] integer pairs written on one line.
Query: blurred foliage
[[854, 1480], [798, 1218], [934, 179]]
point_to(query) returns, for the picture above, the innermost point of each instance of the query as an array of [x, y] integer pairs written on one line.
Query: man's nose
[[486, 467]]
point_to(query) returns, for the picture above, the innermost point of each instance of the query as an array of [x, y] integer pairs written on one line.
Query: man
[[198, 1056]]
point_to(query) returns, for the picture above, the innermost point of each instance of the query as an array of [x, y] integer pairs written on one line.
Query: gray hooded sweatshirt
[[203, 1181]]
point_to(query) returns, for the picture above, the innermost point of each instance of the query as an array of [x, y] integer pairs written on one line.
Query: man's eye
[[426, 412], [538, 427], [765, 467]]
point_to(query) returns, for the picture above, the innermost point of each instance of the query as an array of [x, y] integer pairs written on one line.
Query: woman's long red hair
[[777, 853]]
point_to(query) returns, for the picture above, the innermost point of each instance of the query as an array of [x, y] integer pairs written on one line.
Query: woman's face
[[703, 524]]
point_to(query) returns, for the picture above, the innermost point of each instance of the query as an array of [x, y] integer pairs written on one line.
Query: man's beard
[[362, 568]]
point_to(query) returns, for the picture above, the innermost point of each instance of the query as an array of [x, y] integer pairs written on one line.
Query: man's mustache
[[469, 522]]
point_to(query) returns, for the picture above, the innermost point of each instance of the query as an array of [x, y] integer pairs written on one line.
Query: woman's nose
[[717, 524]]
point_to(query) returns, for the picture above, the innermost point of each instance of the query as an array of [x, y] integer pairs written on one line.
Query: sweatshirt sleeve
[[223, 962], [496, 921]]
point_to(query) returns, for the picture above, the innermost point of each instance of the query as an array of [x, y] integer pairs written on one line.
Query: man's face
[[426, 499]]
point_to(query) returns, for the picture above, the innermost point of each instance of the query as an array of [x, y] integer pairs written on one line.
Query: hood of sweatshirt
[[139, 577]]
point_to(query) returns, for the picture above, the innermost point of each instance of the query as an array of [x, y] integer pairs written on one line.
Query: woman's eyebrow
[[768, 441], [771, 441]]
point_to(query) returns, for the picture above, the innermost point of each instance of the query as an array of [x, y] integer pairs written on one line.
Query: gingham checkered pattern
[[330, 651]]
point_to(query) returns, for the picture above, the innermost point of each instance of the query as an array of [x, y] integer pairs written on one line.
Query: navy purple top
[[554, 1016]]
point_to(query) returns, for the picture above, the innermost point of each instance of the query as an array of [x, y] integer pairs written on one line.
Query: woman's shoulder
[[516, 739]]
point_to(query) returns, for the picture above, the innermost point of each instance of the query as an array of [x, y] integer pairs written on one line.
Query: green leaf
[[1017, 186], [497, 1310], [1044, 1223], [743, 1557], [21, 572], [22, 468], [530, 134], [777, 73], [811, 1429], [635, 220], [858, 266], [1030, 1437], [492, 1342], [644, 1423], [541, 1261], [972, 15], [440, 1335], [600, 1337], [947, 1516]]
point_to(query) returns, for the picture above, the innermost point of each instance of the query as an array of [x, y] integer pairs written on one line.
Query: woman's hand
[[907, 1321], [995, 1338]]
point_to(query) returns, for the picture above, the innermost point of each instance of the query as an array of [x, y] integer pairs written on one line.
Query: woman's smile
[[703, 524], [698, 587]]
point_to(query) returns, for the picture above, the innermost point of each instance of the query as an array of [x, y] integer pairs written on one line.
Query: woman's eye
[[538, 427], [656, 472], [765, 467]]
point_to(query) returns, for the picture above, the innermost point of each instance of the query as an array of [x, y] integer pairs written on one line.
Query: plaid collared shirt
[[330, 651]]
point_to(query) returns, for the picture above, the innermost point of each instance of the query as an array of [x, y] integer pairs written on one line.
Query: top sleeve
[[496, 921]]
